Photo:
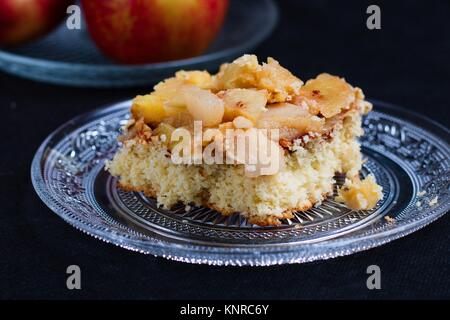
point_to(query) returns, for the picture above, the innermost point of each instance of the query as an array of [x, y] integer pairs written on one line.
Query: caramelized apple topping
[[249, 103], [286, 115], [246, 72], [327, 95], [203, 105], [246, 94], [201, 79], [149, 107]]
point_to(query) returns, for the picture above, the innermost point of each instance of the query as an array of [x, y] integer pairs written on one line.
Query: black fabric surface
[[405, 63]]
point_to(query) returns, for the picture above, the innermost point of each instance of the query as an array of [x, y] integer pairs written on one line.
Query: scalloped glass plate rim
[[227, 255]]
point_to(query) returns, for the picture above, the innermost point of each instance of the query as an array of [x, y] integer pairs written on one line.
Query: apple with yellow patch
[[25, 20], [145, 31]]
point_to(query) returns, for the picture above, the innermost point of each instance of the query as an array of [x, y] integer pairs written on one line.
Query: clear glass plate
[[70, 57], [407, 153]]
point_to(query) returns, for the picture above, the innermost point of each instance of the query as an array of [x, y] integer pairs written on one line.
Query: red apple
[[25, 20], [144, 31]]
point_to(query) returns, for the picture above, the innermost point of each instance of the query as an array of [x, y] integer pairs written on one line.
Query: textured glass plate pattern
[[408, 155], [70, 57]]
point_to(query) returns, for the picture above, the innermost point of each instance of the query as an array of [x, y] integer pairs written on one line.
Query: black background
[[405, 63]]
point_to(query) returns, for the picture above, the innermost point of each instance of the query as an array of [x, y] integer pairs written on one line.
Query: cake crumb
[[433, 201], [389, 219], [418, 204], [318, 204], [360, 194], [187, 208], [421, 193]]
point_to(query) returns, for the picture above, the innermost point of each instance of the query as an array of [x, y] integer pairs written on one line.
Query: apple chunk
[[244, 102], [329, 94], [290, 116], [170, 91], [203, 105], [154, 109], [201, 79], [150, 107]]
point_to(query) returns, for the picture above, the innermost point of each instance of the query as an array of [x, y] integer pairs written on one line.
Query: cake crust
[[261, 220]]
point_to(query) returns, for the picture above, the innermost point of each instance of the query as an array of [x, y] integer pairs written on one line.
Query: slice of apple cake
[[305, 133]]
